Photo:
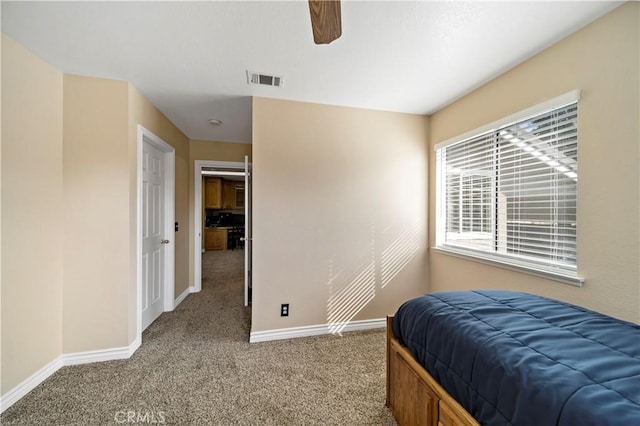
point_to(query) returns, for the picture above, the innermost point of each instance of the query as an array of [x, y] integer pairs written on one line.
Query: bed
[[506, 358]]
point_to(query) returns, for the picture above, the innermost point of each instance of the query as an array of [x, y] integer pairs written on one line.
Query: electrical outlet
[[284, 310]]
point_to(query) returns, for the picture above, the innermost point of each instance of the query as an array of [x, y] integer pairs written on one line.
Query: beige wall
[[32, 214], [96, 200], [211, 151], [339, 212], [601, 60], [143, 112], [218, 151]]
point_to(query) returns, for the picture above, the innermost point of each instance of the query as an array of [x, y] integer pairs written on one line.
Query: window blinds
[[512, 191]]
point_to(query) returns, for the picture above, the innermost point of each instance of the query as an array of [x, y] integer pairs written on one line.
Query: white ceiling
[[190, 58]]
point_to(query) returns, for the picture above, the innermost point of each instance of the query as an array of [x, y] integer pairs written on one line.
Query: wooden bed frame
[[413, 396]]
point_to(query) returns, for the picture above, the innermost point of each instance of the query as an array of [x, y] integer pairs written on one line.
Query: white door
[[153, 242], [247, 231]]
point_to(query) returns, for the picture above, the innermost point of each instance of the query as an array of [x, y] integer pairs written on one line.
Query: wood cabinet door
[[213, 193], [209, 239], [220, 239], [228, 195], [215, 239]]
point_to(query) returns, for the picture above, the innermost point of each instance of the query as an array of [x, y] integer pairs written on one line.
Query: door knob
[[164, 242]]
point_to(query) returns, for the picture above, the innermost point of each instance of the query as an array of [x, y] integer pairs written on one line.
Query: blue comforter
[[519, 359]]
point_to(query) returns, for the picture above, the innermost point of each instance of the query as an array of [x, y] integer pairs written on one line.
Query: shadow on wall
[[353, 287]]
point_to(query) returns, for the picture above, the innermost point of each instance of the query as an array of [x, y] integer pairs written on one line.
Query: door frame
[[169, 152], [197, 214]]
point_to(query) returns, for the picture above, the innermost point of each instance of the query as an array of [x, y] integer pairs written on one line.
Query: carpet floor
[[196, 367]]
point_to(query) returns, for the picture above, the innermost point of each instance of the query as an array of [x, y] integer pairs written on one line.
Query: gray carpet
[[195, 366]]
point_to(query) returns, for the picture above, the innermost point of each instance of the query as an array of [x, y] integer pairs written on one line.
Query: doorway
[[155, 223], [222, 217]]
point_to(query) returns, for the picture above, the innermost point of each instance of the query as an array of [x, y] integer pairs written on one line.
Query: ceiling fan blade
[[326, 20]]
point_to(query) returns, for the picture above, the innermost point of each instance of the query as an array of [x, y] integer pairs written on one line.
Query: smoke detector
[[262, 79]]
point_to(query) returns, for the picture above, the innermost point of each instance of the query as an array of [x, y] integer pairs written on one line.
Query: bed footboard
[[413, 396]]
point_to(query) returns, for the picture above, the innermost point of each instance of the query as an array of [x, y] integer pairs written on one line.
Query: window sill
[[559, 276]]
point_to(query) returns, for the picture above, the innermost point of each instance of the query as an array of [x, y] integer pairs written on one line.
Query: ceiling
[[190, 58]]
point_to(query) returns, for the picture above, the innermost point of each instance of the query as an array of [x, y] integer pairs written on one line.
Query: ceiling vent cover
[[264, 79]]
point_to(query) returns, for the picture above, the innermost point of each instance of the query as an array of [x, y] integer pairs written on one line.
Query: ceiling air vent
[[264, 79]]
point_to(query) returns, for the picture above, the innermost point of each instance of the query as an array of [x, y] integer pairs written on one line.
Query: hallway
[[222, 296]]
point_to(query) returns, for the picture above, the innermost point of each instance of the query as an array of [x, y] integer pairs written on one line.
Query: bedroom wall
[[96, 200], [212, 151], [339, 212], [32, 214], [602, 60], [143, 112]]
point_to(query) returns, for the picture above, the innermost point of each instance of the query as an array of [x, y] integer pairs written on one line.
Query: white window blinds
[[510, 193]]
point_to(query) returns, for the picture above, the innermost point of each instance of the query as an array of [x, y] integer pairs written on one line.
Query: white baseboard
[[27, 385], [315, 330], [180, 298], [101, 355]]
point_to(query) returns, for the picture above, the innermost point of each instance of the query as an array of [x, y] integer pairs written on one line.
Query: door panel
[[152, 227]]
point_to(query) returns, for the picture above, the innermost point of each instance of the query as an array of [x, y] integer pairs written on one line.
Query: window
[[508, 193]]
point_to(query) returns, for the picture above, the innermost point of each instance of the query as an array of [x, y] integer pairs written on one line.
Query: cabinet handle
[[164, 242]]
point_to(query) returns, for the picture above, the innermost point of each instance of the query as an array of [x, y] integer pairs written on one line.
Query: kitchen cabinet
[[213, 193], [223, 194], [215, 239], [228, 194], [232, 195]]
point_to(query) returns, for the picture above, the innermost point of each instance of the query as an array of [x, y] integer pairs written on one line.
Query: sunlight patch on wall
[[348, 296], [400, 252], [351, 289], [354, 286]]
